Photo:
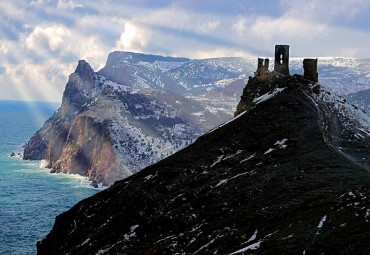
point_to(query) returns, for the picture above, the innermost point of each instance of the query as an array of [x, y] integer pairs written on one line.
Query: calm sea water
[[30, 197]]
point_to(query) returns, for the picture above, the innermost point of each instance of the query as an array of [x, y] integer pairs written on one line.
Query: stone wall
[[310, 69], [282, 59]]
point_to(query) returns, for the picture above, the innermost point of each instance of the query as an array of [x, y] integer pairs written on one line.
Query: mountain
[[107, 131], [286, 176], [194, 77], [360, 99], [219, 81]]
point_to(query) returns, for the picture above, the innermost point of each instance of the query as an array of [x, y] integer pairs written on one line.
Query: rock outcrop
[[278, 179], [107, 131]]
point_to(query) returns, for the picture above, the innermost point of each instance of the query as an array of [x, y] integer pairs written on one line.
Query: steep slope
[[108, 131], [275, 180]]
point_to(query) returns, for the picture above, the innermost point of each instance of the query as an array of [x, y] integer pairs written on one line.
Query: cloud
[[178, 19], [169, 30], [308, 25], [206, 27], [2, 70], [11, 11], [349, 52], [57, 41], [28, 81], [53, 36], [37, 3], [281, 28], [45, 39], [4, 47], [325, 10], [220, 52], [89, 48], [64, 4], [133, 38]]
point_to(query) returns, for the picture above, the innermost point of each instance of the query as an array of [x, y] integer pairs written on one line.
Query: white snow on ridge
[[253, 246], [281, 144], [321, 223], [221, 182], [217, 161], [268, 151], [246, 159], [227, 122], [358, 119], [165, 66], [204, 246], [197, 113], [131, 233], [253, 236], [267, 96]]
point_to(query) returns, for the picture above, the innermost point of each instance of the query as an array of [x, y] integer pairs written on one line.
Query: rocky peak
[[79, 89], [86, 73]]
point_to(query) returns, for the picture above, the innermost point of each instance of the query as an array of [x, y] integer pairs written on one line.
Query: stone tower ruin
[[282, 59], [282, 65], [263, 67], [310, 69]]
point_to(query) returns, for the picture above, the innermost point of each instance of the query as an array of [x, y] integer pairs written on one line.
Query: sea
[[30, 197]]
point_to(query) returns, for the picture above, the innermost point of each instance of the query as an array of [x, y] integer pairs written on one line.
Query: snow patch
[[217, 161], [253, 236], [246, 159], [150, 176], [197, 113], [321, 223], [232, 155], [221, 182], [268, 151], [131, 233], [204, 246], [281, 144], [267, 96], [241, 114], [253, 246]]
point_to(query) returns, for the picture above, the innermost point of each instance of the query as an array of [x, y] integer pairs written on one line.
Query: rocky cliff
[[283, 177], [107, 131]]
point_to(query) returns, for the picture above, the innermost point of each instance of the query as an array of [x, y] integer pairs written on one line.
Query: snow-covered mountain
[[218, 82], [195, 77], [108, 131]]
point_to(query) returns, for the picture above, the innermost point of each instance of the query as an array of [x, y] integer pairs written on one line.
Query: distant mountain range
[[218, 82], [199, 76]]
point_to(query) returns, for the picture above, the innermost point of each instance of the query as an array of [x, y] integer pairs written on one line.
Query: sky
[[41, 41]]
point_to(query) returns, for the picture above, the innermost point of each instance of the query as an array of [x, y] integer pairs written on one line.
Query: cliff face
[[71, 142], [275, 180], [88, 150], [107, 131]]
